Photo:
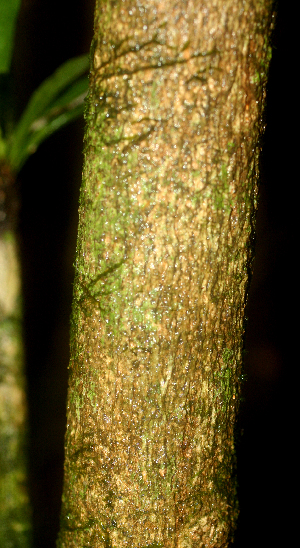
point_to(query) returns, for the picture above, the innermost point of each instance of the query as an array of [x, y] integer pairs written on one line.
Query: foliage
[[56, 102], [8, 14]]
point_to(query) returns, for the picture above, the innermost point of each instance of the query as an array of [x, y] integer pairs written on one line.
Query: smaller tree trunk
[[15, 520]]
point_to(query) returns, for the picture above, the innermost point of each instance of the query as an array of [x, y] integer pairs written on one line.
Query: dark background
[[48, 33]]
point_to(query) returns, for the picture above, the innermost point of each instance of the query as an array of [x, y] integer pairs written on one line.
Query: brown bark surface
[[167, 210]]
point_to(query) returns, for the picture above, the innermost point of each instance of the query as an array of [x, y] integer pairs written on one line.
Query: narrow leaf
[[58, 95], [69, 95], [9, 10], [44, 127]]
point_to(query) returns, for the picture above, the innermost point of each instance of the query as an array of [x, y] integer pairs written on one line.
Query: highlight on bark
[[167, 211]]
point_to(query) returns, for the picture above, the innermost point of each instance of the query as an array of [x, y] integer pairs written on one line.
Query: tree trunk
[[15, 522], [167, 209]]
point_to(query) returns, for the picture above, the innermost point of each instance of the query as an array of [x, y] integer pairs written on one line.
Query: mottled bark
[[167, 209], [15, 522]]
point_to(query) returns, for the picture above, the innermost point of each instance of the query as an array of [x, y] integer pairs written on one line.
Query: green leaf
[[9, 10], [2, 146], [47, 126], [57, 101]]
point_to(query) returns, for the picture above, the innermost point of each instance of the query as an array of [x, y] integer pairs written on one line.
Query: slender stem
[[15, 518]]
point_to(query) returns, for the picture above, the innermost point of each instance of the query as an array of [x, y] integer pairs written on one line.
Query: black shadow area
[[49, 32]]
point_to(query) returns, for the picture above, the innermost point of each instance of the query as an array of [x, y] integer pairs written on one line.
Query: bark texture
[[15, 518], [168, 199]]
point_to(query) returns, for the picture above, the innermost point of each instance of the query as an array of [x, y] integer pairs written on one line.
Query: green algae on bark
[[167, 207]]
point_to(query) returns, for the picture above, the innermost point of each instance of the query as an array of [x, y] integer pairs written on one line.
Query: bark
[[15, 518], [168, 199]]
